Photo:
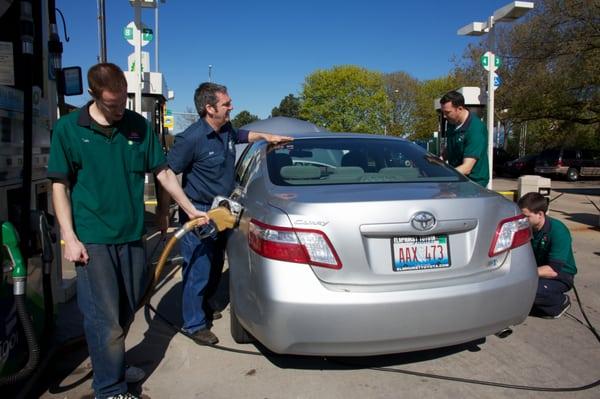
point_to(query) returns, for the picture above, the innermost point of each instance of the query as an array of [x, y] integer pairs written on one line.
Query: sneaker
[[566, 305], [134, 374], [205, 337]]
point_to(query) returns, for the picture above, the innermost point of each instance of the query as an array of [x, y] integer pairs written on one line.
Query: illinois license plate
[[417, 253]]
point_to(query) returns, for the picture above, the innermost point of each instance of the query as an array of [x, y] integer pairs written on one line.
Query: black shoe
[[205, 337], [565, 306], [217, 315]]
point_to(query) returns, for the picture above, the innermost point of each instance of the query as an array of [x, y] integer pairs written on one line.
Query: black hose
[[32, 344]]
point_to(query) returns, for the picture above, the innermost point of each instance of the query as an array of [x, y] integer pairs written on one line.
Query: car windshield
[[328, 161]]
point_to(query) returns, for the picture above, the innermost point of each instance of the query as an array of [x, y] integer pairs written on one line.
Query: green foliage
[[289, 106], [402, 90], [425, 116], [346, 98], [243, 118]]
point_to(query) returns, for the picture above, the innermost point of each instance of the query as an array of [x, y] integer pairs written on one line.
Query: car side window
[[251, 161], [244, 161]]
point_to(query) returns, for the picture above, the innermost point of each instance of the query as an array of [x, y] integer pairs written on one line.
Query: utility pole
[[102, 30]]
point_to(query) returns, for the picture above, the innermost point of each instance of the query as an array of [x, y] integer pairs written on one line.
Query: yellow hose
[[220, 216]]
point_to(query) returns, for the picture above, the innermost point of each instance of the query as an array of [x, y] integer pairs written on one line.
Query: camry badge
[[423, 221]]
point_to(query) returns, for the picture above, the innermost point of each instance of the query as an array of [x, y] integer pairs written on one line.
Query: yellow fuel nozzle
[[222, 218]]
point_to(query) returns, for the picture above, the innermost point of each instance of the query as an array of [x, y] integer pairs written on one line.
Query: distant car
[[521, 166], [568, 162], [501, 156], [385, 250]]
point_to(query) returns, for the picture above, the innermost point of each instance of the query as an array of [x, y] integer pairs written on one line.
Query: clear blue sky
[[263, 50]]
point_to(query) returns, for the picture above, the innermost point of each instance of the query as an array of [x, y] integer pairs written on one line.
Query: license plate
[[417, 253]]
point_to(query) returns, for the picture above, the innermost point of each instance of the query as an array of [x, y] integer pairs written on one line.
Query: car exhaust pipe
[[505, 332]]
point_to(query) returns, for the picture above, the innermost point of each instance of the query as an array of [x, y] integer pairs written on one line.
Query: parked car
[[501, 156], [568, 162], [521, 166], [357, 244]]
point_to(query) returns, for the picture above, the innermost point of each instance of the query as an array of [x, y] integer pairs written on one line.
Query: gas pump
[[30, 54]]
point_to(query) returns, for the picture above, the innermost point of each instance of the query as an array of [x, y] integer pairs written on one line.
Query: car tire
[[572, 174], [238, 332]]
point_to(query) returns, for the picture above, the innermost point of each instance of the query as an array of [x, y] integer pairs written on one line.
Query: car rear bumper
[[290, 311]]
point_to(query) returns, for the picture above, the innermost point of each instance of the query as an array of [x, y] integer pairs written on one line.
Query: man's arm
[[74, 249], [270, 138], [467, 166], [171, 188]]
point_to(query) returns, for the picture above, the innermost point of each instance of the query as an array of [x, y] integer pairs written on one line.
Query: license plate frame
[[432, 252]]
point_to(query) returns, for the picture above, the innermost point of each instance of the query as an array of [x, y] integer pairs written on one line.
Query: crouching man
[[554, 257]]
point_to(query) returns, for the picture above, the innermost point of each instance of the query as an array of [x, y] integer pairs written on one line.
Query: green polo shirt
[[552, 246], [469, 141], [105, 168]]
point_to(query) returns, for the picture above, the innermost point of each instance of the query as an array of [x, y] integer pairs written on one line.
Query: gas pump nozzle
[[10, 241], [224, 213]]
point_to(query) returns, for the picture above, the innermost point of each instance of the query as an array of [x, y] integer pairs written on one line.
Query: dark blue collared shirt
[[207, 160]]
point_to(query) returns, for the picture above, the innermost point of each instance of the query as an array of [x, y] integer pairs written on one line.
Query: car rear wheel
[[238, 333], [572, 174]]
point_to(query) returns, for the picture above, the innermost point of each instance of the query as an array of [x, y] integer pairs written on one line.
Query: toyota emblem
[[423, 221]]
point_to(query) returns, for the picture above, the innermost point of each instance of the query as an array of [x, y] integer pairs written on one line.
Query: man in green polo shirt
[[554, 257], [466, 146], [98, 159]]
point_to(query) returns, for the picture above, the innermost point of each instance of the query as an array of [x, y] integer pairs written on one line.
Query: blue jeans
[[202, 267], [109, 288]]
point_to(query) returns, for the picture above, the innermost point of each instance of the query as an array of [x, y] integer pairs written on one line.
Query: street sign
[[497, 80], [130, 31], [485, 61]]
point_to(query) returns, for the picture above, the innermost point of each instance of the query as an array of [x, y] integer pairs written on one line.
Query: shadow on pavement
[[579, 190], [357, 363], [590, 219]]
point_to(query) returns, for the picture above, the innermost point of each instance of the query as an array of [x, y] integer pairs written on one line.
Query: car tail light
[[510, 233], [292, 245], [559, 163]]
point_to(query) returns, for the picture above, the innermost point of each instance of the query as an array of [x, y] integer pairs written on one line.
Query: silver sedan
[[355, 244]]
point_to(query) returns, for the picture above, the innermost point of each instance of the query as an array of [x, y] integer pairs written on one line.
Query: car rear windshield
[[326, 161]]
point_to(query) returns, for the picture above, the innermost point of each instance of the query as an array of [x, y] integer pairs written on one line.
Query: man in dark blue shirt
[[205, 154]]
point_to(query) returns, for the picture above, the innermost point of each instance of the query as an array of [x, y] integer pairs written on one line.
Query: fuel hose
[[220, 218]]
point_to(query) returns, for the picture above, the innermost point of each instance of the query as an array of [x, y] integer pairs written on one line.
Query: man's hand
[[546, 272], [196, 214], [270, 138], [75, 251], [276, 139]]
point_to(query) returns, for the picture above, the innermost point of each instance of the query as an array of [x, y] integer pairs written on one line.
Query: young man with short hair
[[98, 159], [554, 257], [467, 139]]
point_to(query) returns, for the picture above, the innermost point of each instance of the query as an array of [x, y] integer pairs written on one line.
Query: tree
[[243, 118], [401, 89], [346, 98], [289, 106], [426, 120]]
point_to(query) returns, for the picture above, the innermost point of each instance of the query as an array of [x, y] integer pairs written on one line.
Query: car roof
[[302, 129], [283, 125]]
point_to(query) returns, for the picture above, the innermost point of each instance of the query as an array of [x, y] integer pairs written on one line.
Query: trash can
[[535, 184]]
